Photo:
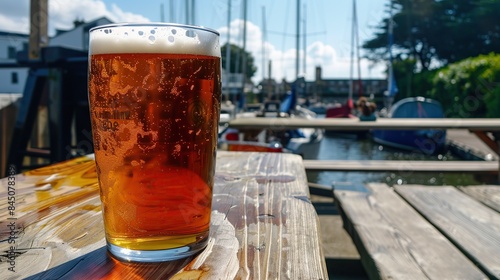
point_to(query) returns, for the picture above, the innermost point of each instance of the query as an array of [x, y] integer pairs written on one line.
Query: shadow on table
[[99, 264]]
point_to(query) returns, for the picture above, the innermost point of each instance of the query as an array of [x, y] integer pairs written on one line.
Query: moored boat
[[305, 141], [429, 141]]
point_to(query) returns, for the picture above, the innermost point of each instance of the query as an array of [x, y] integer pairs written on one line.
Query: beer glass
[[154, 94]]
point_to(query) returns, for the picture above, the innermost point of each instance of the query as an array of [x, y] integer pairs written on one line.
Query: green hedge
[[469, 88]]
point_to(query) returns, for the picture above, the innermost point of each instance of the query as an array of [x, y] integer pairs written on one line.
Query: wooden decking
[[423, 232], [469, 146]]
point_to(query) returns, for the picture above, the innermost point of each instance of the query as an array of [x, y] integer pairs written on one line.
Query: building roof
[[14, 34], [84, 25], [58, 31]]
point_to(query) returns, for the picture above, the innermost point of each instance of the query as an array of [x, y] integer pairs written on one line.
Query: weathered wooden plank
[[356, 124], [471, 226], [487, 194], [56, 217], [395, 242], [489, 167], [265, 198], [263, 225]]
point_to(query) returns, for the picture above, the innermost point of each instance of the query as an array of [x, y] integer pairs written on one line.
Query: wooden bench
[[421, 232], [466, 222], [487, 194], [263, 225]]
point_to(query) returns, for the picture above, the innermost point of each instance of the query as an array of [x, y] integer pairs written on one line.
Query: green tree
[[467, 28], [413, 25], [438, 30], [237, 60]]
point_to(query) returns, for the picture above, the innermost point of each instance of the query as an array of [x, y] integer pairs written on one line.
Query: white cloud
[[334, 65], [320, 52], [62, 13], [14, 16], [118, 15], [12, 23]]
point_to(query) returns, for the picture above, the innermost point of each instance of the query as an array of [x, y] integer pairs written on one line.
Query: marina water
[[338, 147]]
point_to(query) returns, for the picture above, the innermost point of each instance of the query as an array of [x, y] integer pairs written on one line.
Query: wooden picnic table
[[263, 225], [424, 232]]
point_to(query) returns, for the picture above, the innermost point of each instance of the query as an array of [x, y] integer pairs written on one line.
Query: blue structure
[[429, 141]]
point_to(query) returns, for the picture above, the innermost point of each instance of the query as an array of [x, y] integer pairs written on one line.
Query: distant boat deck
[[468, 145]]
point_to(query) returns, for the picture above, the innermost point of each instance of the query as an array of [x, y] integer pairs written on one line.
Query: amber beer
[[154, 93]]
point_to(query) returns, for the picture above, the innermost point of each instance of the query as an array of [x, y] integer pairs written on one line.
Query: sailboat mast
[[244, 59], [297, 42], [172, 13], [228, 48], [356, 31], [392, 89], [351, 68], [304, 43], [187, 11], [193, 12], [355, 48], [162, 15], [263, 43]]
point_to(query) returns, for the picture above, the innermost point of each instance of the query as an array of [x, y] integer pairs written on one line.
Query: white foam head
[[154, 38]]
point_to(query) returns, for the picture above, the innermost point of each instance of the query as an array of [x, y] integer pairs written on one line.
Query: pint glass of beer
[[154, 93]]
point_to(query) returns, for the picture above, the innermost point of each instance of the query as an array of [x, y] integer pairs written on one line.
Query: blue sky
[[328, 24]]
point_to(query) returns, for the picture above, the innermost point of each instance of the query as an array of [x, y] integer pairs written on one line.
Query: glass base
[[155, 255]]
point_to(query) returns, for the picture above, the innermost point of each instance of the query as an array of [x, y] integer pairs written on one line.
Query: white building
[[12, 79], [78, 37]]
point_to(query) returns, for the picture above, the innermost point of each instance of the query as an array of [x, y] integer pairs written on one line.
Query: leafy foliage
[[469, 88]]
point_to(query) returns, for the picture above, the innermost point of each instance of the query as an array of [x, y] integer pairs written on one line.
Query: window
[[11, 52], [14, 78]]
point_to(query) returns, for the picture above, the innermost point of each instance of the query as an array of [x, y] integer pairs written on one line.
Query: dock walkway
[[468, 145]]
